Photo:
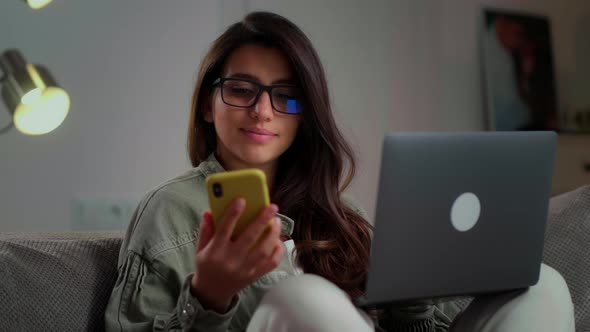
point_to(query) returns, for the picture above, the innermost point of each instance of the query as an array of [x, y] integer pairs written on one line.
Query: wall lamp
[[33, 98], [37, 4]]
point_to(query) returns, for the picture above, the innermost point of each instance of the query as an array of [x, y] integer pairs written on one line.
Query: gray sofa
[[62, 282]]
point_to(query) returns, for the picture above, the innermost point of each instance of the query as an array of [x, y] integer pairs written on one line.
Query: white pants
[[313, 304]]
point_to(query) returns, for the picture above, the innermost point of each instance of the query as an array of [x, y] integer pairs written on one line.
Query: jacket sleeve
[[143, 300], [152, 291]]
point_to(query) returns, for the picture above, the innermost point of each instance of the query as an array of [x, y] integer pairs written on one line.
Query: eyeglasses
[[245, 93]]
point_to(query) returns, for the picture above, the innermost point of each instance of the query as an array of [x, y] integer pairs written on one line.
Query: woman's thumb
[[206, 231]]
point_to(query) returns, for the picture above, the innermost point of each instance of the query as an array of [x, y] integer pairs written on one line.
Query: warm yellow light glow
[[44, 114], [31, 96], [36, 4]]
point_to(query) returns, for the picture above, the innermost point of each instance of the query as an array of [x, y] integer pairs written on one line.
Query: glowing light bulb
[[31, 96], [37, 4], [43, 114]]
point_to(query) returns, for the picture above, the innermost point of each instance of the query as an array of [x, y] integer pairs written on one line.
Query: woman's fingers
[[223, 267], [228, 221], [253, 232], [206, 231], [263, 249], [267, 264], [269, 238]]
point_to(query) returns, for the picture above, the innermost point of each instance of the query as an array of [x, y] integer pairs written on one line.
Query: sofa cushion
[[56, 282], [567, 248]]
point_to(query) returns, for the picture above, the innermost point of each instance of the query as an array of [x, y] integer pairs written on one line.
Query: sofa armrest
[[56, 281], [567, 247]]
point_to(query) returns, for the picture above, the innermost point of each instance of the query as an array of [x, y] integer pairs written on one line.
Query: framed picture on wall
[[518, 71]]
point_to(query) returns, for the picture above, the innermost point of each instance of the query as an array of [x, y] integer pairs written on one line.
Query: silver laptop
[[459, 214]]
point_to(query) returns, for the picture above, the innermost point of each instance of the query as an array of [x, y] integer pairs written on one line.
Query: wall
[[130, 66]]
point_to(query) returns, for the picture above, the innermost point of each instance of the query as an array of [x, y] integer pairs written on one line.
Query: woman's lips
[[258, 135]]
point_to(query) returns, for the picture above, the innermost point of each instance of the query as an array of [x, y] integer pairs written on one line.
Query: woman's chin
[[258, 158]]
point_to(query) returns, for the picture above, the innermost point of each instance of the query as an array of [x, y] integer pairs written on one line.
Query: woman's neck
[[234, 164]]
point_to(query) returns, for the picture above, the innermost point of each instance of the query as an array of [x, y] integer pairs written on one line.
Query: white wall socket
[[103, 212]]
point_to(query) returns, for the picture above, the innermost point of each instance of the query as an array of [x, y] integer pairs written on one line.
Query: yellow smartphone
[[224, 187]]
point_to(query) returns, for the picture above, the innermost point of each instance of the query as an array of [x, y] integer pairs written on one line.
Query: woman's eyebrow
[[256, 79]]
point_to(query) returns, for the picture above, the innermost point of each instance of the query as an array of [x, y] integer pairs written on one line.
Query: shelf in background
[[572, 162]]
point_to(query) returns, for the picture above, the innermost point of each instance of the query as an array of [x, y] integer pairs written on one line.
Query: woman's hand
[[224, 266]]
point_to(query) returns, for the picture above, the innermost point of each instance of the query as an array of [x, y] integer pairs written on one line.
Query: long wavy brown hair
[[331, 239]]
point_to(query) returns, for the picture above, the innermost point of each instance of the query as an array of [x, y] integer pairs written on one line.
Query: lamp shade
[[37, 104], [37, 4]]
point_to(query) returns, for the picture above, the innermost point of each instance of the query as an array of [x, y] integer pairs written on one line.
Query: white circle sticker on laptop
[[465, 212]]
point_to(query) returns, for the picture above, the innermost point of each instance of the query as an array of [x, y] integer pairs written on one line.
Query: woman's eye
[[283, 96], [238, 91]]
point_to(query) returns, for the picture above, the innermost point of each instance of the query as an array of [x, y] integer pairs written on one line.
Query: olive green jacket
[[157, 260]]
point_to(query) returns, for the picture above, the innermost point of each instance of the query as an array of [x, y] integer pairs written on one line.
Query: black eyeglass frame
[[261, 88]]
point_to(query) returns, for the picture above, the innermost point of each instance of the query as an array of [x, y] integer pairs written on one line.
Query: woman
[[261, 100]]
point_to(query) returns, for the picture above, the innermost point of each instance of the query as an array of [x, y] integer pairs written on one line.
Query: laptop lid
[[459, 214]]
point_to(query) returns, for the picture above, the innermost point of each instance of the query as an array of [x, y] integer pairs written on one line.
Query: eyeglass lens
[[285, 99]]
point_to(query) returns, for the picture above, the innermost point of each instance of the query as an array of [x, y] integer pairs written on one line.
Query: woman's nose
[[263, 108]]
